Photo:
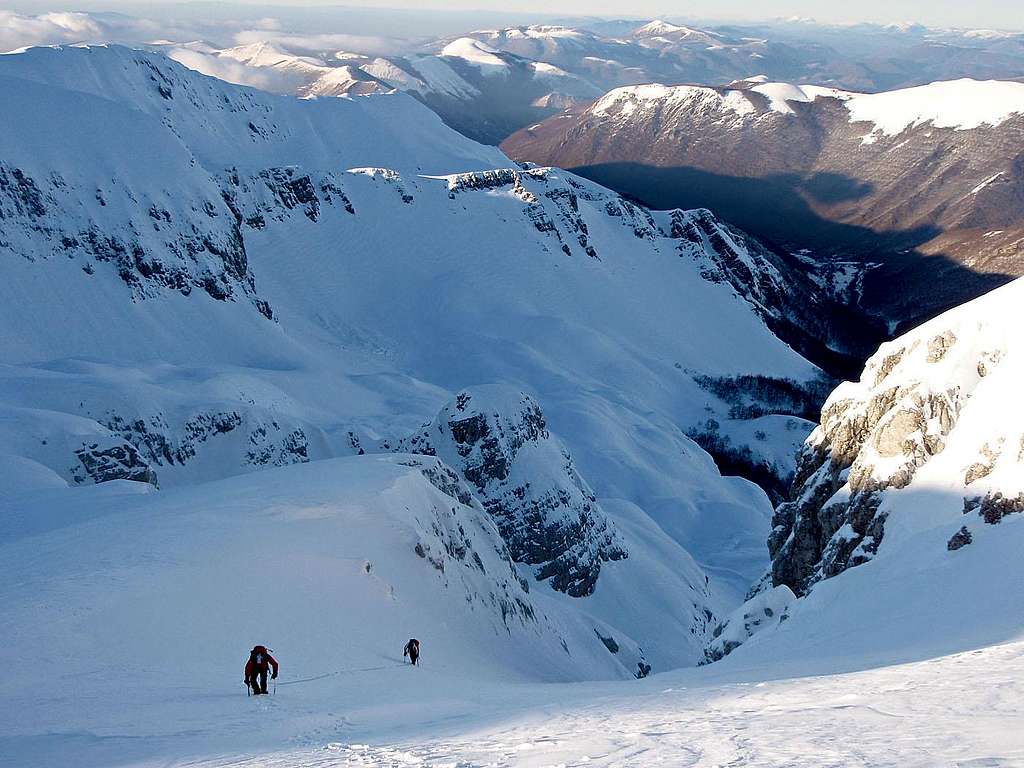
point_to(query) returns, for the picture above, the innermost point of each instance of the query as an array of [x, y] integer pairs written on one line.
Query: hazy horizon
[[437, 16]]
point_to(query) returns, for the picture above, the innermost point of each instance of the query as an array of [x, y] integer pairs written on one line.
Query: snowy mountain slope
[[907, 502], [247, 281], [333, 564], [698, 719], [192, 280], [934, 411], [910, 184]]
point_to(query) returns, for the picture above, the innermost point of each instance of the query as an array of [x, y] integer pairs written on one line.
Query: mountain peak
[[658, 27]]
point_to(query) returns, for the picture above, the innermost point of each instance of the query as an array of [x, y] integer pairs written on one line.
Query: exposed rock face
[[959, 539], [995, 506], [939, 402], [450, 545], [157, 244], [498, 440], [117, 461]]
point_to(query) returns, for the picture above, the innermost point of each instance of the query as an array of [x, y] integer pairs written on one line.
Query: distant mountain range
[[919, 192], [489, 83]]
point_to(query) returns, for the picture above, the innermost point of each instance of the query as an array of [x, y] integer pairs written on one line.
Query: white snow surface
[[628, 99], [476, 53], [453, 268], [959, 104], [963, 104], [128, 610]]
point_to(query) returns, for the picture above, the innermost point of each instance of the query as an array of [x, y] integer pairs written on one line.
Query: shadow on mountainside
[[907, 288]]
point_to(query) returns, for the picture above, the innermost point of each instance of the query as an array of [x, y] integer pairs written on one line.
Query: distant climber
[[412, 650], [256, 669]]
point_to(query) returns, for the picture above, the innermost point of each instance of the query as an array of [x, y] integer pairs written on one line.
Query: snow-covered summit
[[960, 104], [476, 53], [664, 32], [626, 101], [657, 27]]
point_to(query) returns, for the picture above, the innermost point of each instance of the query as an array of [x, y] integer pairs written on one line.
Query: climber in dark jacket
[[256, 669], [412, 650]]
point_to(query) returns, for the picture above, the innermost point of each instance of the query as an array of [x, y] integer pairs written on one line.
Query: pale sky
[[968, 13], [1002, 14]]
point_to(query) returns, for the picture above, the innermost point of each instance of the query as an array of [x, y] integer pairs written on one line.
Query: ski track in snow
[[960, 710]]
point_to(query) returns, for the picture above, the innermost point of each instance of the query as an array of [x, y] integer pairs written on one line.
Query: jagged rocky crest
[[498, 439]]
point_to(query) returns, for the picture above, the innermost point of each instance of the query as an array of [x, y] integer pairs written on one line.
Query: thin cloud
[[301, 43], [18, 30], [232, 71]]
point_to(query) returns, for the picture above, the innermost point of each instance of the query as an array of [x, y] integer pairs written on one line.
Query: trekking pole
[[248, 693]]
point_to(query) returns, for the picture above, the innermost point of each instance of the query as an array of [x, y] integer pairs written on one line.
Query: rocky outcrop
[[945, 390], [102, 461], [155, 245], [959, 539], [274, 193], [450, 545], [498, 440], [762, 611], [164, 440], [864, 445]]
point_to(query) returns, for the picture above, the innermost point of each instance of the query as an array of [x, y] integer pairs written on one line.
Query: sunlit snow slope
[[203, 281]]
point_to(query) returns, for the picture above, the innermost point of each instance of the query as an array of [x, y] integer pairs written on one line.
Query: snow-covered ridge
[[657, 27], [475, 52], [627, 100], [959, 104]]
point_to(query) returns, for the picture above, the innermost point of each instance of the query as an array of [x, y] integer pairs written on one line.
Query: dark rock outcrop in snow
[[113, 460], [498, 440]]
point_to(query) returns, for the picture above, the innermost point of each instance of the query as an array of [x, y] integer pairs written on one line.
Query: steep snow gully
[[325, 375]]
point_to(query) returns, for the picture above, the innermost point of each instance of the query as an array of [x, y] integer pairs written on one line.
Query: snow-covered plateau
[[324, 375]]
